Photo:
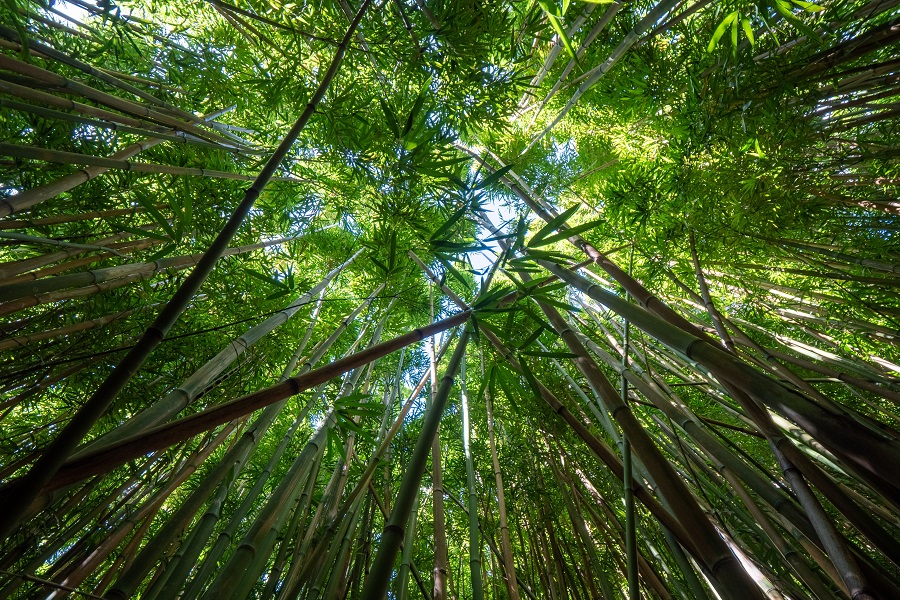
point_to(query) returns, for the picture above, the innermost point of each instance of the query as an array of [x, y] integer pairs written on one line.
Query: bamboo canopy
[[449, 299]]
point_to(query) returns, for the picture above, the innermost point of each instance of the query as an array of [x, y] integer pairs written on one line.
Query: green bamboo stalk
[[10, 269], [153, 132], [73, 158], [505, 545], [183, 395], [32, 197], [441, 573], [102, 75], [15, 291], [592, 76], [166, 435], [833, 431], [378, 581], [59, 219], [474, 536], [125, 248], [409, 543], [13, 505], [147, 511]]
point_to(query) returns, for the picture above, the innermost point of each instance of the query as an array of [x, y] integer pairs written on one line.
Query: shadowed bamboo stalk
[[22, 341], [507, 556], [378, 581], [441, 571], [236, 457], [152, 131], [714, 553], [126, 248], [159, 116], [100, 74], [596, 445], [13, 505], [474, 536], [10, 269], [60, 219], [872, 458], [147, 511]]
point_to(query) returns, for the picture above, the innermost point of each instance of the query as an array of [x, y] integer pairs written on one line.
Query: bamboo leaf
[[143, 232], [456, 216], [563, 235], [557, 26], [495, 176], [552, 225], [390, 118], [721, 29]]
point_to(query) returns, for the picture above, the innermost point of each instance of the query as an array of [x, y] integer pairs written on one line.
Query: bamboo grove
[[449, 299]]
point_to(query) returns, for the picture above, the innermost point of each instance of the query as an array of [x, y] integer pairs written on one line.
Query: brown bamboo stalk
[[166, 435]]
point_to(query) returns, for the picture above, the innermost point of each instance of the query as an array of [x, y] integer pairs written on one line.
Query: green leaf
[[720, 30], [566, 234], [734, 33], [808, 6], [142, 233], [450, 223], [552, 225], [417, 107], [390, 117], [166, 250], [557, 26], [268, 279], [495, 176], [531, 338], [456, 274], [157, 216], [748, 30]]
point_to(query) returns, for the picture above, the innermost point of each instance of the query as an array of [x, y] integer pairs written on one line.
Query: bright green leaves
[[547, 236], [554, 16], [730, 20], [495, 176], [174, 230], [284, 285], [785, 9], [409, 131], [735, 21], [389, 267]]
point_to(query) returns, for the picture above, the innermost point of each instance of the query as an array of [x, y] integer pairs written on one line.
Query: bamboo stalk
[[165, 435], [378, 581], [73, 158], [28, 487]]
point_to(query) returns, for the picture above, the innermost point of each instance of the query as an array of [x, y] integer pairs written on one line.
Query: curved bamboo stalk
[[507, 556], [35, 289], [869, 457], [474, 535], [27, 199], [25, 340], [8, 270]]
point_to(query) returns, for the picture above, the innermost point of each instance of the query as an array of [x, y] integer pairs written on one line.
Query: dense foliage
[[657, 241]]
